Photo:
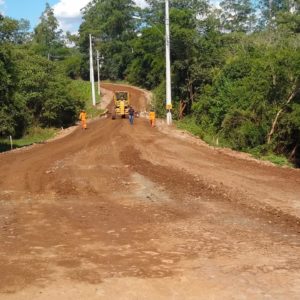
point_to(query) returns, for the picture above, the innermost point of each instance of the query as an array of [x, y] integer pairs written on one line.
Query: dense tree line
[[33, 83], [235, 67]]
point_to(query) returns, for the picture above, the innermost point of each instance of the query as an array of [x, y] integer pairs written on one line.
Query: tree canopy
[[33, 87]]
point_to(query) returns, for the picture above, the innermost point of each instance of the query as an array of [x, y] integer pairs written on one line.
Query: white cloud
[[2, 2], [69, 8], [68, 12], [141, 3]]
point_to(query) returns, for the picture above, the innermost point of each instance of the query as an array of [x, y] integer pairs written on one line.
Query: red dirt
[[132, 212]]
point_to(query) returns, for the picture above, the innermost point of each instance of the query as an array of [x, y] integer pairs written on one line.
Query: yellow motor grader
[[122, 102]]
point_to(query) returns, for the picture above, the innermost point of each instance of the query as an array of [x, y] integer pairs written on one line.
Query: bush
[[241, 131], [42, 89]]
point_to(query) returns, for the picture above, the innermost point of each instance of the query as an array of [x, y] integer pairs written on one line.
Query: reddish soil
[[134, 212]]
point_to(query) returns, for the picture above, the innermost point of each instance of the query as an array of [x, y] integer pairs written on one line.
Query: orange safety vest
[[82, 116], [152, 115]]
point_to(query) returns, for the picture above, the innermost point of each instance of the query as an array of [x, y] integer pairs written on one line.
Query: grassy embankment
[[34, 135], [189, 125], [79, 89]]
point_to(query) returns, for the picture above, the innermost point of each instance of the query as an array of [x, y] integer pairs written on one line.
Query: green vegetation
[[35, 135], [235, 68], [35, 72], [81, 90], [189, 124], [275, 159], [211, 138], [33, 87]]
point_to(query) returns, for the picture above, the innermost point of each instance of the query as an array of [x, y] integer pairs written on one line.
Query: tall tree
[[111, 23], [14, 31], [290, 19], [237, 15], [270, 9], [147, 65], [7, 84], [47, 35], [10, 110]]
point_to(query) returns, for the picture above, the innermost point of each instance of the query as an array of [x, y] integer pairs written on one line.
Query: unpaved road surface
[[133, 212]]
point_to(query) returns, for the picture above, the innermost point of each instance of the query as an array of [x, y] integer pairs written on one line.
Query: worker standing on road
[[152, 117], [82, 118], [131, 115]]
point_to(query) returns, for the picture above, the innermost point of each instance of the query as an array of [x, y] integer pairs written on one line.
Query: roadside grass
[[35, 135], [276, 159], [209, 137], [81, 90], [188, 124]]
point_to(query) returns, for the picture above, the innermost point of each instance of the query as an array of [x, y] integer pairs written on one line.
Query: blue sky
[[66, 11], [26, 9]]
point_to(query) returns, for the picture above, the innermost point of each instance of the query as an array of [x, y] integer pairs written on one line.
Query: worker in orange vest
[[152, 117], [82, 118]]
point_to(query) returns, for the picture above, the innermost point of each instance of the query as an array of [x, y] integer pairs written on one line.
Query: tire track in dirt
[[117, 210]]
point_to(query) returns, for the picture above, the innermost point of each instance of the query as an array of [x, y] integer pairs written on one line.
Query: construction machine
[[121, 107]]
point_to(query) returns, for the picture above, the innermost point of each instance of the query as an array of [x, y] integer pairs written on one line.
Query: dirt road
[[133, 212]]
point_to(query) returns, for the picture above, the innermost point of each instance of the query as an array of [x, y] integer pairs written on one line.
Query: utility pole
[[168, 67], [92, 79], [98, 68]]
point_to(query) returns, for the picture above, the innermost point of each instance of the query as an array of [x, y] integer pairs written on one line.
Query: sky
[[66, 11]]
